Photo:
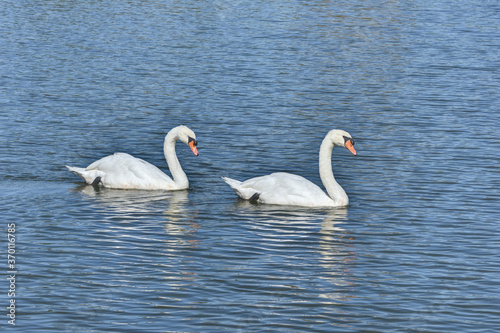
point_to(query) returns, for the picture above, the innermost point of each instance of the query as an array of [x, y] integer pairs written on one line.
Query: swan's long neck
[[335, 191], [178, 174]]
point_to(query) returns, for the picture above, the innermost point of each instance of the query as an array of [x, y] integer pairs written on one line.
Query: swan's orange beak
[[192, 145], [349, 146]]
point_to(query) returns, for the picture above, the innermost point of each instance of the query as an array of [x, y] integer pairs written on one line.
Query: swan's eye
[[190, 139], [346, 138]]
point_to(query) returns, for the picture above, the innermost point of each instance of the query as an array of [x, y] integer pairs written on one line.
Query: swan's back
[[283, 188], [125, 171]]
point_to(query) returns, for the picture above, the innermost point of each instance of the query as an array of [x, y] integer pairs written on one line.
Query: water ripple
[[415, 84]]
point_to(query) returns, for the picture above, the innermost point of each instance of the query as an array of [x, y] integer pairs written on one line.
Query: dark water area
[[416, 84]]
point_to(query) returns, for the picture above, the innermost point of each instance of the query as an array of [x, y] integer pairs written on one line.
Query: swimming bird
[[283, 188], [123, 171]]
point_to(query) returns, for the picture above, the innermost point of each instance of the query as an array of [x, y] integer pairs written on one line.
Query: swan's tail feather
[[232, 182], [77, 171], [243, 192], [89, 176]]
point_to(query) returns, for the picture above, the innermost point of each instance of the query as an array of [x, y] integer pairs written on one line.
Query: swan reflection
[[305, 240], [134, 201], [170, 207], [336, 254]]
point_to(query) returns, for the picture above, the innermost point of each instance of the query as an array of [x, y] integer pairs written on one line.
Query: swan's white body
[[283, 188], [123, 171]]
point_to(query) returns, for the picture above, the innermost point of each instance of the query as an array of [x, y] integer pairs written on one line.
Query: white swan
[[283, 188], [123, 171]]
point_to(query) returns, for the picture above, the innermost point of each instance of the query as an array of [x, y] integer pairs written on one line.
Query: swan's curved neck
[[180, 178], [335, 191]]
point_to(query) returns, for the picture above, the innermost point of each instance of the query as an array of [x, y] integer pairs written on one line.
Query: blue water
[[416, 84]]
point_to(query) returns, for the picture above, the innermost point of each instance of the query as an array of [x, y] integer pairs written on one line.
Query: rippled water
[[416, 84]]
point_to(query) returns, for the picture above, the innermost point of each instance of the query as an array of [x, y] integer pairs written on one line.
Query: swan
[[123, 171], [283, 188]]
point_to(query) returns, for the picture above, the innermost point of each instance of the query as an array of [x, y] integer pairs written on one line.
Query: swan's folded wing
[[288, 189], [125, 171]]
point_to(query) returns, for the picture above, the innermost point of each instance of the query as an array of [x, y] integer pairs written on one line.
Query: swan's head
[[343, 139], [186, 135]]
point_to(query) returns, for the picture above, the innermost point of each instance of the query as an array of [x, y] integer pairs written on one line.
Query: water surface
[[416, 84]]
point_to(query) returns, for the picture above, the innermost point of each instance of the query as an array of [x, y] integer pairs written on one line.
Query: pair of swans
[[123, 171]]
